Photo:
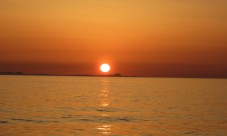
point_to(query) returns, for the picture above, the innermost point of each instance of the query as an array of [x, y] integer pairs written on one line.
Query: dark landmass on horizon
[[114, 75], [21, 73], [126, 70]]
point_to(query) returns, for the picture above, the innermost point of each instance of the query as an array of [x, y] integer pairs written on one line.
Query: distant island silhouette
[[117, 75], [21, 73], [110, 75], [12, 73]]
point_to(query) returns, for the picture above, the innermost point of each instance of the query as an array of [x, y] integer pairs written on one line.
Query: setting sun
[[105, 68]]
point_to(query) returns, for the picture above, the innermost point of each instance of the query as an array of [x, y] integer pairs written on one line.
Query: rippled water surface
[[68, 106]]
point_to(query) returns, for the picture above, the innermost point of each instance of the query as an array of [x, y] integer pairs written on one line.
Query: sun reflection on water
[[104, 93], [105, 115], [104, 129]]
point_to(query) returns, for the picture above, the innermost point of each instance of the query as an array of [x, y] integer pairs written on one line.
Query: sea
[[115, 106]]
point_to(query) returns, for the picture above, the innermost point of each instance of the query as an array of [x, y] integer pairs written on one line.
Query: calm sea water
[[71, 106]]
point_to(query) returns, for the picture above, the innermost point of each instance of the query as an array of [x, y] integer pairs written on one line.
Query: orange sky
[[137, 37]]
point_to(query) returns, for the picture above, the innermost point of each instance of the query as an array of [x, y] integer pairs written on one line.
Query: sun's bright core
[[105, 67]]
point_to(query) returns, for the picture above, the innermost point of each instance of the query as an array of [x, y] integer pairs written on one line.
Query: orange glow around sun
[[105, 68]]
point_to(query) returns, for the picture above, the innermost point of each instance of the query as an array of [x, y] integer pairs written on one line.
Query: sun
[[105, 68]]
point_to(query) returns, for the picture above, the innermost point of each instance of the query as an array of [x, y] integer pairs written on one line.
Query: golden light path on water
[[105, 128]]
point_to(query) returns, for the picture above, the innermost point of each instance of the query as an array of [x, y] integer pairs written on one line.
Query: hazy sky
[[137, 37]]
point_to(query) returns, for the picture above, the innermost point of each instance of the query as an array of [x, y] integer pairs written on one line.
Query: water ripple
[[34, 121], [3, 122]]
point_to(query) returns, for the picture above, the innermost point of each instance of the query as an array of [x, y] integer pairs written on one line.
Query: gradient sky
[[136, 37]]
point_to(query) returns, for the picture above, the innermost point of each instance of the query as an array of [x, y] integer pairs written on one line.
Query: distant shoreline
[[114, 75], [21, 73]]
